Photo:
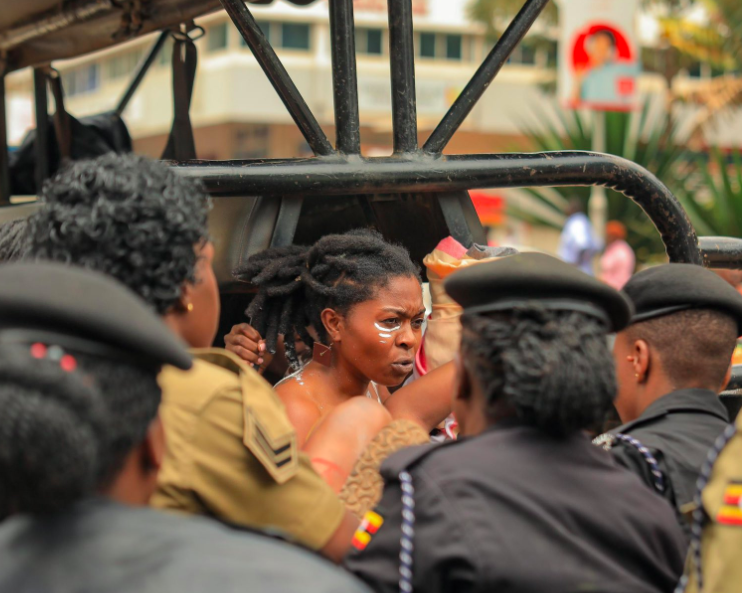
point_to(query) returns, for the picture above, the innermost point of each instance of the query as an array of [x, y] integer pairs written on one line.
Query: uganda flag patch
[[731, 510], [366, 530]]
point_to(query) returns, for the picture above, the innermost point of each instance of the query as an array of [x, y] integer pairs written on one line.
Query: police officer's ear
[[151, 456], [641, 360], [727, 378]]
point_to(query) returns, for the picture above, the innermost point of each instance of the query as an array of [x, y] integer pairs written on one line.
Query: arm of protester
[[427, 400], [245, 341], [341, 437]]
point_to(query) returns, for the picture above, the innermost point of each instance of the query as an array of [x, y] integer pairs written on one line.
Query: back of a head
[[695, 346], [552, 368], [127, 216], [295, 284], [69, 421]]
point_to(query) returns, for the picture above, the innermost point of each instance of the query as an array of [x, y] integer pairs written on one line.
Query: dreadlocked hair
[[553, 368], [295, 284], [65, 435]]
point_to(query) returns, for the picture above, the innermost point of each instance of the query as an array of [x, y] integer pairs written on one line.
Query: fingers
[[246, 330], [245, 342]]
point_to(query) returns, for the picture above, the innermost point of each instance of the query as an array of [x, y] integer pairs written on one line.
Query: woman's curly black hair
[[552, 368], [65, 435], [13, 243], [125, 215], [295, 284]]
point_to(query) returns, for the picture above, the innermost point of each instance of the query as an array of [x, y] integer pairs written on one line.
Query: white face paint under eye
[[385, 332]]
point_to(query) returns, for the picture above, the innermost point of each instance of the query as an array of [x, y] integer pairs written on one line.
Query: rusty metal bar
[[41, 100], [4, 168], [344, 77], [482, 78], [280, 79], [141, 71], [323, 176], [402, 61]]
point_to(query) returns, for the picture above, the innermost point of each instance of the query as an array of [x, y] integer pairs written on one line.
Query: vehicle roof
[[35, 32]]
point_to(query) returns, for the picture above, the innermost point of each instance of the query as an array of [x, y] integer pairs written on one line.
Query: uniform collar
[[698, 401]]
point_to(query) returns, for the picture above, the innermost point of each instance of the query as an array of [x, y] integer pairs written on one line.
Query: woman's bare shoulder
[[301, 408]]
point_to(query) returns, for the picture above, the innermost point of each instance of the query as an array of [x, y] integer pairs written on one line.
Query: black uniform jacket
[[679, 429], [516, 510], [102, 547]]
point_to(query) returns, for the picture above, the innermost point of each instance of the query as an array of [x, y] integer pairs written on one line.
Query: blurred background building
[[237, 115]]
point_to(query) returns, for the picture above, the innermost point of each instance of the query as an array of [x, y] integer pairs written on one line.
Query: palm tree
[[635, 136]]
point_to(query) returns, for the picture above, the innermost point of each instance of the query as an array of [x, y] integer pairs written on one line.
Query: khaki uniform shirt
[[722, 534], [232, 453]]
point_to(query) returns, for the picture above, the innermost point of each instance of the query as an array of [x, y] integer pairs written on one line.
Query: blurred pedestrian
[[578, 244], [618, 261]]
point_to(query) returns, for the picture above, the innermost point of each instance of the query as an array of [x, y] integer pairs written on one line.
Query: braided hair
[[295, 284], [553, 368], [65, 435]]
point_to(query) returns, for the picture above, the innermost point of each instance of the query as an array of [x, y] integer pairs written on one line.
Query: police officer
[[672, 362], [81, 444], [716, 540], [523, 501], [232, 451]]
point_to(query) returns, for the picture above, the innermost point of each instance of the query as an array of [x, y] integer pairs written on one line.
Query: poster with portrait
[[599, 61]]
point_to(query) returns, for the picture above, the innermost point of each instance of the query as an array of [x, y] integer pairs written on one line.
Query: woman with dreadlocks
[[525, 502], [356, 301]]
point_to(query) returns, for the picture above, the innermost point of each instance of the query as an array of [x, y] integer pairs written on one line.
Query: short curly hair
[[127, 216], [552, 368]]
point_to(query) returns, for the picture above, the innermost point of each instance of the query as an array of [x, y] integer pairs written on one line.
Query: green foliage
[[711, 192], [634, 136]]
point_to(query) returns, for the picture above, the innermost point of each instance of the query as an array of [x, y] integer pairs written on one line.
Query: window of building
[[695, 70], [370, 42], [524, 55], [123, 65], [454, 47], [81, 80], [295, 36], [216, 37], [427, 45]]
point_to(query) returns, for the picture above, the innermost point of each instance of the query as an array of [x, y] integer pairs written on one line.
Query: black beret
[[535, 278], [670, 288], [80, 309]]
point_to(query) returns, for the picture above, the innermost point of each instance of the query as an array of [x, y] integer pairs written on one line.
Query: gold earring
[[636, 375], [189, 308]]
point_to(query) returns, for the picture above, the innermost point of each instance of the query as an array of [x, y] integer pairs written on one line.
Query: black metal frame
[[342, 170]]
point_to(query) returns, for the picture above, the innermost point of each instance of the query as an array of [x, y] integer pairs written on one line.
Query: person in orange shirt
[[618, 261]]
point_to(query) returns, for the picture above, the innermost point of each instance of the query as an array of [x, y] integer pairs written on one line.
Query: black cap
[[670, 288], [536, 278], [85, 311]]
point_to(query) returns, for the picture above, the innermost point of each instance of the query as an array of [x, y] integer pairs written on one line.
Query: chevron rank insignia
[[731, 510], [366, 530], [278, 455]]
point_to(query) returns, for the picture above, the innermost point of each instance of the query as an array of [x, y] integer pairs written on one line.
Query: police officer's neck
[[656, 386]]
